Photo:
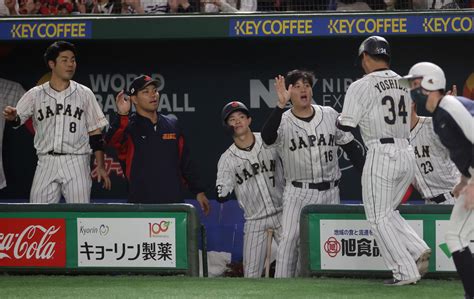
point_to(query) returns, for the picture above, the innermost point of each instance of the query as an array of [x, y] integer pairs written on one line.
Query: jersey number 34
[[402, 111]]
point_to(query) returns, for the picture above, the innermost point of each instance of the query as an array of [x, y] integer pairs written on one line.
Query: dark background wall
[[203, 75]]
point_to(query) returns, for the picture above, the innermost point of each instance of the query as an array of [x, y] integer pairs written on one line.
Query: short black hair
[[52, 52], [293, 76], [377, 57]]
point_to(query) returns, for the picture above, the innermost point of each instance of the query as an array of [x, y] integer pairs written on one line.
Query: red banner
[[31, 242]]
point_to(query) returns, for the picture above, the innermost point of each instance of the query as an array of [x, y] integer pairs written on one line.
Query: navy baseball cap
[[140, 83]]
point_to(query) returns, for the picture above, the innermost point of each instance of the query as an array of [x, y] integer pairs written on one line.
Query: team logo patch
[[169, 136]]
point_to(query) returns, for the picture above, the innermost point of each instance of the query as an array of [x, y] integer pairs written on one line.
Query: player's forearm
[[99, 158], [340, 126], [270, 128]]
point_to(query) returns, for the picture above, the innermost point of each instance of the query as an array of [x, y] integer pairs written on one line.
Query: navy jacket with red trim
[[156, 158]]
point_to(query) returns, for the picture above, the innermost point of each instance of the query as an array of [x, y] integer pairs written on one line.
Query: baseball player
[[152, 148], [68, 122], [255, 173], [381, 108], [10, 93], [307, 141], [453, 122], [435, 174]]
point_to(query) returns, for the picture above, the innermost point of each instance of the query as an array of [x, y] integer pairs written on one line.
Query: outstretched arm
[[270, 128]]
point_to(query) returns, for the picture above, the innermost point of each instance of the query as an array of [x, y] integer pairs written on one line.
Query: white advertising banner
[[126, 242], [350, 245]]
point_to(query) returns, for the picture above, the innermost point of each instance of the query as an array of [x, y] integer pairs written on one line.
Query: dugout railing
[[99, 238]]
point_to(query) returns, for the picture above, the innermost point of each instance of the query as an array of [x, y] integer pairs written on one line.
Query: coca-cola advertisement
[[32, 242]]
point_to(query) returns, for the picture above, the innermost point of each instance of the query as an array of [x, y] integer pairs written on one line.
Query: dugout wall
[[338, 240], [74, 238]]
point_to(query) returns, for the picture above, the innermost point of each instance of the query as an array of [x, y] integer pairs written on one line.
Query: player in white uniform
[[10, 93], [68, 122], [307, 140], [453, 122], [435, 174], [255, 174], [381, 108]]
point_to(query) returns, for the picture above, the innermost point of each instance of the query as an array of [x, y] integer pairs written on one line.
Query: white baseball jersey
[[256, 176], [435, 173], [309, 149], [252, 174], [10, 93], [62, 121], [309, 154], [381, 108], [379, 105]]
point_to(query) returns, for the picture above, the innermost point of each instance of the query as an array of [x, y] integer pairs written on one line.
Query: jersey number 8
[[72, 127]]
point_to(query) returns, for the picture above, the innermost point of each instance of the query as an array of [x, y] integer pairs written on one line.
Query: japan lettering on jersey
[[63, 119], [379, 105], [435, 173], [256, 176], [309, 149]]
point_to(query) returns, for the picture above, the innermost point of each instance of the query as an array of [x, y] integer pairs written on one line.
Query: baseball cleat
[[423, 262], [395, 282]]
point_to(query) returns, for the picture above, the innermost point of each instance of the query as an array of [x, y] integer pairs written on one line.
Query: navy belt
[[53, 153], [319, 186], [440, 198], [387, 140]]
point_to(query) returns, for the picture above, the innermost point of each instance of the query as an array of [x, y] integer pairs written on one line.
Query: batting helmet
[[432, 76], [375, 45], [232, 107]]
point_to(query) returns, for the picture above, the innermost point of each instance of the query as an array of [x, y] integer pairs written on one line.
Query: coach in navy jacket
[[152, 148]]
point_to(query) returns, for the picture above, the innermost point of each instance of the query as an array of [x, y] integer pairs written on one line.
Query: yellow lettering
[[453, 24], [309, 27], [438, 25], [24, 31], [469, 24], [445, 23], [41, 30], [285, 26], [265, 28], [257, 27], [274, 31], [59, 29], [343, 26], [15, 31], [359, 26], [247, 28], [403, 25], [51, 30], [294, 26], [368, 23]]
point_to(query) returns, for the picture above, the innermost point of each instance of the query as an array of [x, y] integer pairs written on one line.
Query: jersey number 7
[[402, 112]]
